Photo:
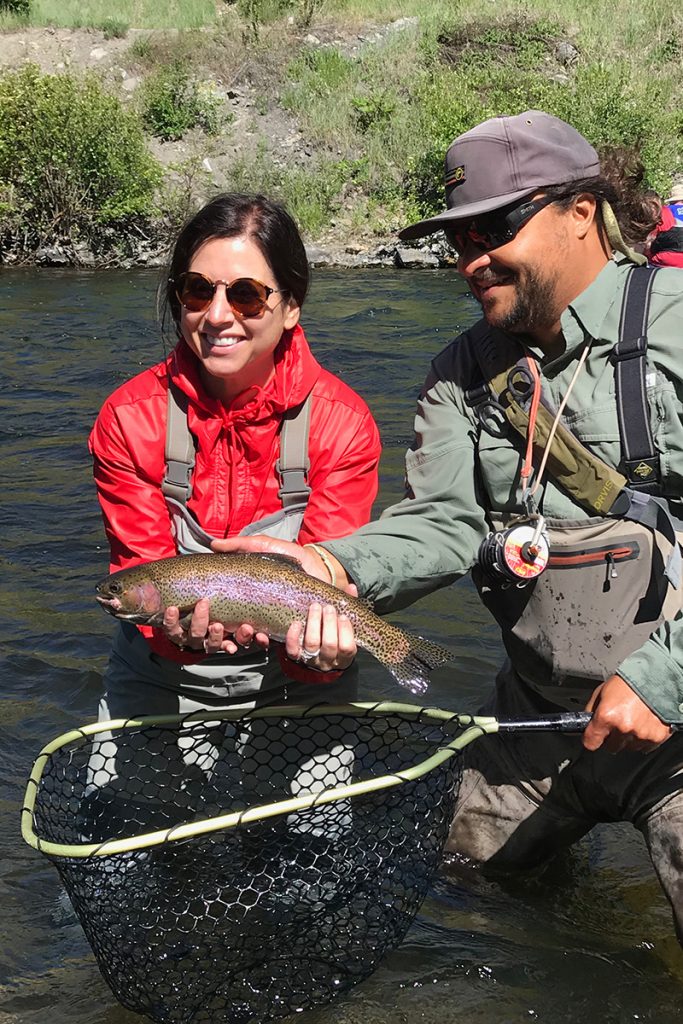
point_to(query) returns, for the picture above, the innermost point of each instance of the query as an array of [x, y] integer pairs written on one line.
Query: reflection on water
[[588, 941]]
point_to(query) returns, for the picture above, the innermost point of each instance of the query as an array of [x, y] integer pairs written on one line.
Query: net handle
[[472, 728]]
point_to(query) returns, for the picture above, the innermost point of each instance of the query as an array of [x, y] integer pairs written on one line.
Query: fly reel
[[518, 555]]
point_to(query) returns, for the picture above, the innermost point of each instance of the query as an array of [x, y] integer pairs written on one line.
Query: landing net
[[246, 866]]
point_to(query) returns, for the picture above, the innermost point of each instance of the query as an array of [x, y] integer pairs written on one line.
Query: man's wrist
[[335, 570]]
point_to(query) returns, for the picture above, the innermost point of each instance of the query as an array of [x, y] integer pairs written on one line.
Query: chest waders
[[613, 578], [292, 468]]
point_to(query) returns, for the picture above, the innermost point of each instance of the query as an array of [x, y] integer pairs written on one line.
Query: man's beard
[[534, 307]]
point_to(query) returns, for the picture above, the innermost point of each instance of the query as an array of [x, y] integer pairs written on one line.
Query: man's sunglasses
[[247, 297], [491, 230]]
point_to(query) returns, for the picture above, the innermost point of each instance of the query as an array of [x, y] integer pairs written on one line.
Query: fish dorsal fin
[[367, 602]]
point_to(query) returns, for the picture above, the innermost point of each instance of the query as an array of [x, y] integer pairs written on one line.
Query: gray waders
[[610, 581], [137, 681]]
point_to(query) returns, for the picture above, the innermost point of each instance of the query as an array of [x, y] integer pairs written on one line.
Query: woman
[[193, 449]]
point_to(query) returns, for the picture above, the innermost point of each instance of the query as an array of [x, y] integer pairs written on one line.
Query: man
[[588, 597]]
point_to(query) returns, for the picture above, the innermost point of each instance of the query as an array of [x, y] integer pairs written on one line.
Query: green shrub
[[16, 6], [114, 29], [373, 111], [604, 101], [173, 102], [73, 161], [311, 194]]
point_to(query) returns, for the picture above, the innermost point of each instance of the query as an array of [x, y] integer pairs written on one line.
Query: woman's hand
[[325, 642], [207, 637]]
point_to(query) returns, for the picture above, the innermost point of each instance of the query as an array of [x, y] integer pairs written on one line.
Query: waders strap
[[639, 457], [180, 454], [588, 479], [292, 466], [654, 513]]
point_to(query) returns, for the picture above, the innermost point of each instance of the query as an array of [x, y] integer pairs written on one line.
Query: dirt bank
[[254, 118]]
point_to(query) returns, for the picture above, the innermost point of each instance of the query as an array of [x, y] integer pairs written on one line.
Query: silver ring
[[307, 656], [206, 645]]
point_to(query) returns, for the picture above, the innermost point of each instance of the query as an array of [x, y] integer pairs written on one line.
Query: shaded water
[[588, 941]]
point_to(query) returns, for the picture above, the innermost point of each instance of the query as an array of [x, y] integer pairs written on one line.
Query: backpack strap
[[639, 457], [589, 480], [179, 452], [294, 464]]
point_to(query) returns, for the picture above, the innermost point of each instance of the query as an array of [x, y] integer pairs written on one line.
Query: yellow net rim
[[473, 726]]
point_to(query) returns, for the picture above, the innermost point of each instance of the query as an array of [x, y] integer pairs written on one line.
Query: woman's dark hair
[[229, 215], [621, 184]]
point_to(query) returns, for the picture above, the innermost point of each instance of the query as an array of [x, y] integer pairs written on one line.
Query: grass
[[151, 14], [378, 116]]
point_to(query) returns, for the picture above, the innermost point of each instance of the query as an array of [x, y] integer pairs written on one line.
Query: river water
[[588, 941]]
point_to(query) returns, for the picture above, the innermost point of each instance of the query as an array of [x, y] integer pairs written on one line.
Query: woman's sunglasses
[[491, 230], [247, 297]]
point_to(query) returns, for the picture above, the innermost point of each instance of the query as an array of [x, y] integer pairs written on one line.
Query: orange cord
[[527, 465]]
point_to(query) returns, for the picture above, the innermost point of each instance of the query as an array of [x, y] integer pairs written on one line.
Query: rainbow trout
[[267, 591]]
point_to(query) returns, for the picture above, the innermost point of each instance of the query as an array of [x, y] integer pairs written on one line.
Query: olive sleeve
[[431, 537]]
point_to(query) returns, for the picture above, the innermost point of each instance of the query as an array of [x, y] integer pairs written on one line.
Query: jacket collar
[[296, 372]]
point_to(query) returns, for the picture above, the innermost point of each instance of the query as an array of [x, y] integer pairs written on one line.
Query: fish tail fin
[[423, 655]]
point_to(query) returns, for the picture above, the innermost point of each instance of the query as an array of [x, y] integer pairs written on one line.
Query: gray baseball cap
[[505, 159]]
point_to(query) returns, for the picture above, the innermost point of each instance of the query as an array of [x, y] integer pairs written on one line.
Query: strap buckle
[[294, 486], [629, 348], [179, 474]]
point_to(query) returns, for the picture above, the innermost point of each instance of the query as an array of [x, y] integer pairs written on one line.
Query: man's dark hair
[[621, 184]]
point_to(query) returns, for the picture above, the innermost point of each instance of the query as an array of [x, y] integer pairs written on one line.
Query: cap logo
[[456, 176]]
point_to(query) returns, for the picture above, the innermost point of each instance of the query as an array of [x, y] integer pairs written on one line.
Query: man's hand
[[621, 720], [311, 562]]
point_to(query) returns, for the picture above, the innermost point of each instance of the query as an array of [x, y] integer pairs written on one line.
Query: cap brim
[[433, 224]]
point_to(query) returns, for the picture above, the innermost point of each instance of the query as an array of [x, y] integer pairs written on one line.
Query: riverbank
[[345, 118]]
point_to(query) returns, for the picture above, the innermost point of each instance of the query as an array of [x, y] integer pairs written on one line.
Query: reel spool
[[515, 556]]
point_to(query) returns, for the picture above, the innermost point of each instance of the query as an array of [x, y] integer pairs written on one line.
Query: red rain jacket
[[234, 481], [671, 254]]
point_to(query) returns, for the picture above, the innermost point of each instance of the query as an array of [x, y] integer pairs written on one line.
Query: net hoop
[[470, 726]]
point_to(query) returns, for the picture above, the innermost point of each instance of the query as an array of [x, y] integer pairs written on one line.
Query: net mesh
[[252, 922]]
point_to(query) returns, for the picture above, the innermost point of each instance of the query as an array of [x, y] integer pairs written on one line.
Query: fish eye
[[116, 588]]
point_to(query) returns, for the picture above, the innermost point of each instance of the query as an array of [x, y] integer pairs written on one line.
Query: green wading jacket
[[457, 475]]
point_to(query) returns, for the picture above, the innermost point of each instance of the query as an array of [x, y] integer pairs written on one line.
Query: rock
[[405, 257], [52, 256], [566, 53], [401, 24], [98, 53], [83, 255], [318, 257]]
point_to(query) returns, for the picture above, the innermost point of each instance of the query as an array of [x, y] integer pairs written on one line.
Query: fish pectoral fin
[[185, 616]]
